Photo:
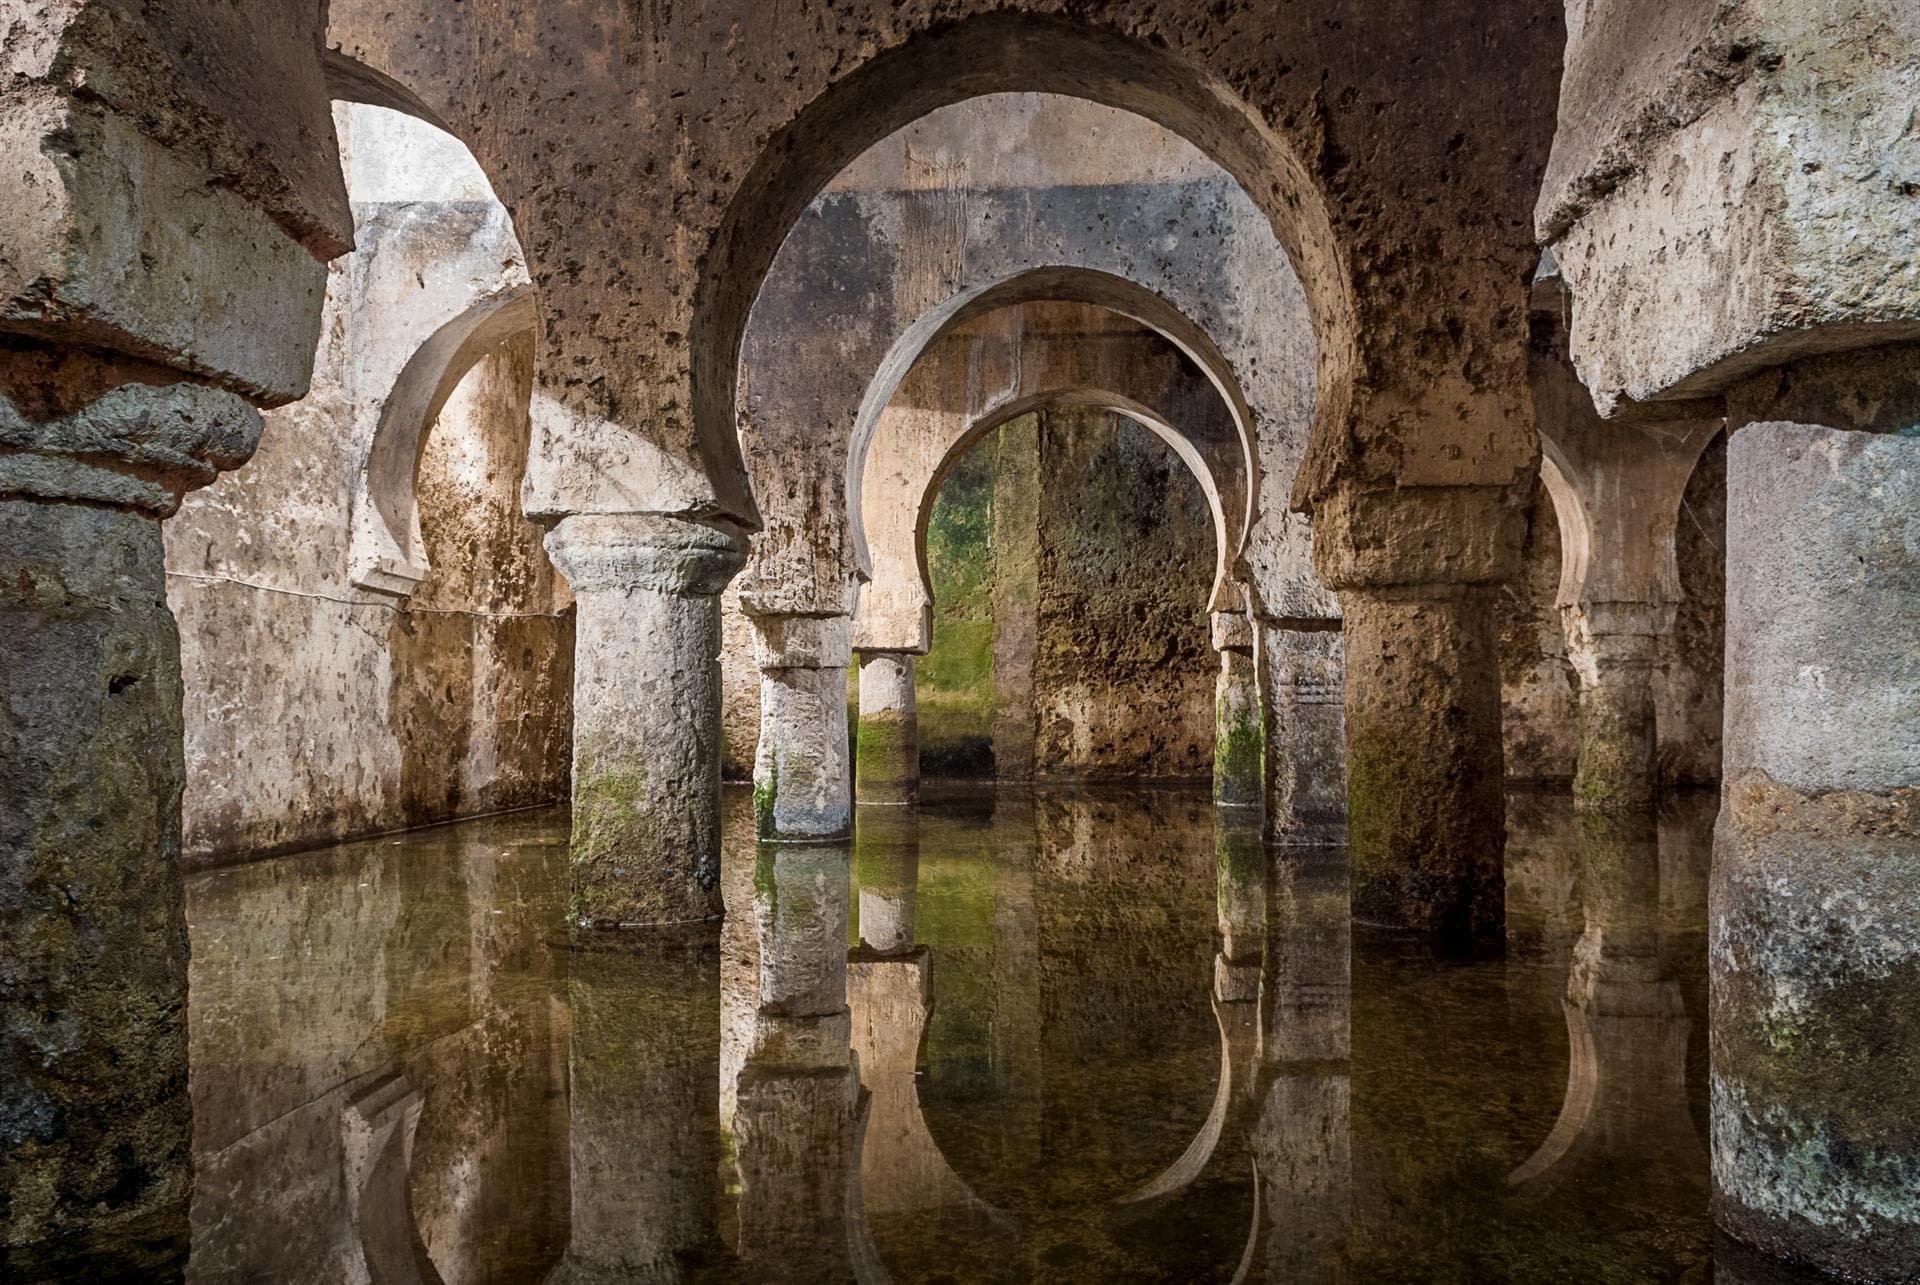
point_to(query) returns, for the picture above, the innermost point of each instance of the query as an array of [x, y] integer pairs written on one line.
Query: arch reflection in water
[[1065, 1035]]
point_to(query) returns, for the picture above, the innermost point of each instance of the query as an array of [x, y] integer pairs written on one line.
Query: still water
[[1018, 1036]]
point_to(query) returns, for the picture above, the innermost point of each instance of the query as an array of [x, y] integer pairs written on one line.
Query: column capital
[[783, 641], [1232, 631], [1398, 537], [106, 431], [657, 551]]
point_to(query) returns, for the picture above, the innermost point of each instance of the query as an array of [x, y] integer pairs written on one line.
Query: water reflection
[[1005, 1036]]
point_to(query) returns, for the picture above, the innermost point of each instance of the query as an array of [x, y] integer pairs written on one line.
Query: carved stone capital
[[598, 552]]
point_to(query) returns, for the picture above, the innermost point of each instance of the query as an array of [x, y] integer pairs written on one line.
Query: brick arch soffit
[[1002, 52]]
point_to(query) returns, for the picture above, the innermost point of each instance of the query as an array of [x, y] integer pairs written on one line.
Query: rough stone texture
[[1424, 801], [802, 776], [887, 750], [646, 737], [1302, 674], [319, 711], [1539, 692], [1422, 350], [1814, 953], [129, 125], [95, 1124], [1123, 662], [993, 368], [1239, 731], [325, 702], [1733, 186]]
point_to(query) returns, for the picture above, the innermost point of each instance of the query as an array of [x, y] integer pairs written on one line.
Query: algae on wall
[[1071, 554]]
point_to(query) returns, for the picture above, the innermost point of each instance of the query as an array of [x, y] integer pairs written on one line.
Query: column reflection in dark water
[[1302, 1139], [1627, 1023], [799, 1108], [643, 1119]]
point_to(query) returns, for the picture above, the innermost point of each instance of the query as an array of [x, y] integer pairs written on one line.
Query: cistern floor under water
[[1018, 1035]]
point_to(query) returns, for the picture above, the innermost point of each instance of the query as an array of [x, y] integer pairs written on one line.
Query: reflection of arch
[[1236, 1103], [1065, 285], [387, 553], [992, 53]]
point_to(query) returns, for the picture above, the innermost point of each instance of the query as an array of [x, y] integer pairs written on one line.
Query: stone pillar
[[93, 934], [643, 1114], [1614, 648], [646, 714], [1301, 667], [887, 757], [1417, 569], [1239, 727], [1814, 939], [802, 782]]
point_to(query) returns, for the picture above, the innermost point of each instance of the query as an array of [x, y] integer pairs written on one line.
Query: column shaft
[[1425, 810], [93, 932], [887, 761], [646, 713], [1239, 731], [802, 782], [1302, 675], [1617, 765], [1814, 931]]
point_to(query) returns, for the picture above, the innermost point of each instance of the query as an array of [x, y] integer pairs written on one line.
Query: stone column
[[887, 758], [1417, 569], [1614, 648], [1301, 667], [1814, 937], [1239, 727], [802, 782], [646, 714], [93, 934]]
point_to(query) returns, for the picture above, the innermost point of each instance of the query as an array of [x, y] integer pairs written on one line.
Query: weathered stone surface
[[1733, 186], [1424, 762], [802, 779], [95, 1124], [887, 746], [176, 189], [1421, 349], [646, 744], [1814, 953], [1239, 732], [1302, 675]]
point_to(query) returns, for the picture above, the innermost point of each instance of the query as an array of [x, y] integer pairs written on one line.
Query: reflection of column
[[646, 714], [644, 1132], [1815, 932], [1301, 668], [886, 855], [1302, 1142], [1626, 1098], [887, 754], [799, 1107], [1239, 730], [93, 929], [802, 789]]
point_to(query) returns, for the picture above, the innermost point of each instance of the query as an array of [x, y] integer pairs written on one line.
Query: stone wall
[[1071, 554], [315, 711]]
